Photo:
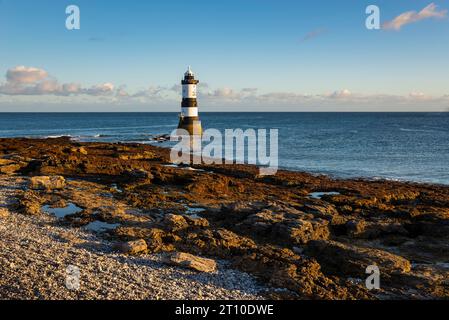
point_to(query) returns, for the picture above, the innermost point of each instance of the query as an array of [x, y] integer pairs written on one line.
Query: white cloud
[[431, 11], [281, 96], [32, 85], [342, 94], [100, 89], [225, 93], [121, 92], [417, 95], [23, 80], [23, 75], [71, 88]]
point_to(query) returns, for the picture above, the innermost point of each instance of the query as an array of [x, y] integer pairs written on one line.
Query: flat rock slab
[[341, 258], [10, 168], [192, 262], [133, 247], [47, 182]]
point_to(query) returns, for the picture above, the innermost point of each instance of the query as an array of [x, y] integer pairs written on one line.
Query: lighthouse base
[[191, 124]]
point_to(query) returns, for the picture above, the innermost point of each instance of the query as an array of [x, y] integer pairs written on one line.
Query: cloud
[[121, 92], [431, 11], [417, 95], [22, 74], [154, 92], [281, 96], [71, 88], [313, 34], [25, 81], [225, 93], [34, 85], [100, 89], [250, 91], [342, 94]]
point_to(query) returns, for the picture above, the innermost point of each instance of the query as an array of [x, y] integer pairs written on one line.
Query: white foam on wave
[[415, 130], [57, 136]]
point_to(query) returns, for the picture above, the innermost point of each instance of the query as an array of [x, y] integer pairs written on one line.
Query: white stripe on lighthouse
[[189, 91], [190, 112]]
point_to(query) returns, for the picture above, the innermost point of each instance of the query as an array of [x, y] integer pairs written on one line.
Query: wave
[[101, 135], [379, 178], [57, 136], [415, 130]]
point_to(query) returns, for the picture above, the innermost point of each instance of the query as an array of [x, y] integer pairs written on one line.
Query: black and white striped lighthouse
[[189, 119]]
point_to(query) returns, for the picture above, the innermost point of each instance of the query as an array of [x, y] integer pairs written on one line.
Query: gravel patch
[[38, 256]]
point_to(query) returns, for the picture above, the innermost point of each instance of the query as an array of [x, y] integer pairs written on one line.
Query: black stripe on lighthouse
[[189, 103]]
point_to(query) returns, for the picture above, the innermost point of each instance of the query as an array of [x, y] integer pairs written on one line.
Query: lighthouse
[[189, 119]]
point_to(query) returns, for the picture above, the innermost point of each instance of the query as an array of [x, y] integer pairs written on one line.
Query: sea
[[397, 146]]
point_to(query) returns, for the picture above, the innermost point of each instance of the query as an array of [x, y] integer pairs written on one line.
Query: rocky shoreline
[[169, 232]]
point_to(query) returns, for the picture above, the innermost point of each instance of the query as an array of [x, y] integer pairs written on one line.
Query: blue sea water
[[403, 146]]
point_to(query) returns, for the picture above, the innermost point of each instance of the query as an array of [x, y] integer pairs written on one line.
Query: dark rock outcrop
[[270, 226]]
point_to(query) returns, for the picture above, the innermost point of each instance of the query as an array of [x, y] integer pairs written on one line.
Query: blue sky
[[250, 55]]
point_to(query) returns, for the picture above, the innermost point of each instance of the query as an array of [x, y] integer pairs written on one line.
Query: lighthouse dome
[[189, 72]]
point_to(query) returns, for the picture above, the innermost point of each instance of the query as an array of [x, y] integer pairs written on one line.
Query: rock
[[285, 225], [338, 220], [155, 240], [245, 216], [30, 203], [373, 230], [154, 237], [263, 221], [349, 260], [139, 174], [225, 242], [242, 207], [146, 155], [282, 268], [301, 231], [197, 222], [298, 250], [80, 150], [355, 228], [323, 210], [10, 169], [47, 183], [59, 203], [221, 243], [216, 186], [4, 213], [192, 262], [175, 222], [4, 162], [133, 247]]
